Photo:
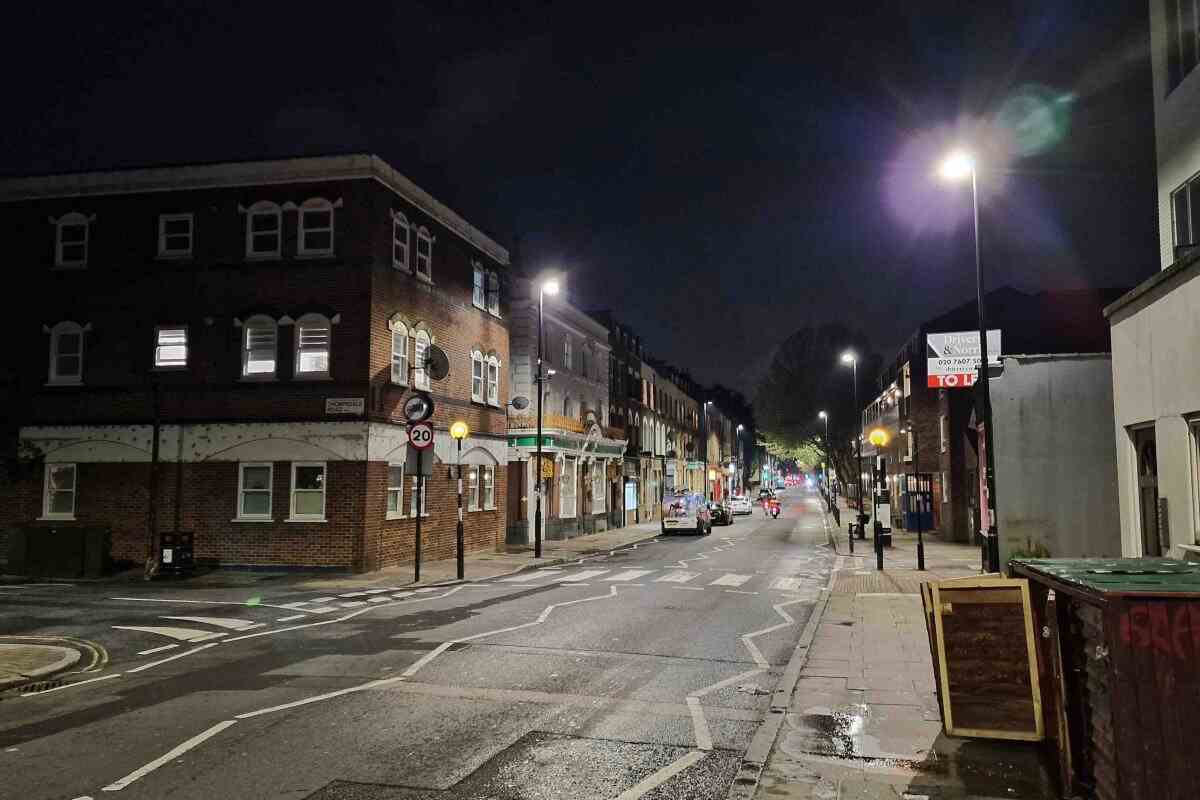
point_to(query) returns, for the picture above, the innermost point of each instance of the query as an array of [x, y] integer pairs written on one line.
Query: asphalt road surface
[[642, 673]]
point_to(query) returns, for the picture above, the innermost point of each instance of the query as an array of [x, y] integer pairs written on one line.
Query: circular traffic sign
[[420, 435]]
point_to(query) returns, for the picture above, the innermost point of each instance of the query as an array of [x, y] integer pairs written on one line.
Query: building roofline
[[1160, 283], [356, 166]]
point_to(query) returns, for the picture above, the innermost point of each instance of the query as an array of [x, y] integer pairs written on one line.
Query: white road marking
[[321, 600], [653, 781], [230, 623], [292, 617], [177, 655], [689, 588], [629, 575], [353, 594], [787, 584], [741, 676], [427, 589], [524, 577], [295, 704], [549, 569], [168, 756], [318, 609], [401, 595], [377, 591], [731, 579], [182, 634], [703, 737], [379, 599], [157, 649], [738, 591], [251, 604], [76, 683], [677, 577], [586, 574], [747, 638], [353, 603]]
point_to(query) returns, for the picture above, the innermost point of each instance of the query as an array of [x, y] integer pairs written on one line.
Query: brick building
[[224, 349]]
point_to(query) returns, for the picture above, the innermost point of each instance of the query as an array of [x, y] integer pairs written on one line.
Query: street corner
[[27, 660]]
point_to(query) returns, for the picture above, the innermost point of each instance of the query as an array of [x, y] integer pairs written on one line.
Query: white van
[[686, 511]]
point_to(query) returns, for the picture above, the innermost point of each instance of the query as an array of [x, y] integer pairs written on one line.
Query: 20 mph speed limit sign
[[420, 435]]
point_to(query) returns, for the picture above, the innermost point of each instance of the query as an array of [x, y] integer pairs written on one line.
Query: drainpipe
[[152, 486]]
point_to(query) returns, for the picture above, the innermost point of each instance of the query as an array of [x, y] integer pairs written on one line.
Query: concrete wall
[[1056, 476]]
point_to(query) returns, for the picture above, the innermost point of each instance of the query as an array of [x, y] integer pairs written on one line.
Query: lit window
[[477, 376], [170, 347], [493, 293], [175, 235], [66, 353], [493, 381], [566, 360], [400, 354], [472, 488], [71, 240], [254, 491], [424, 254], [264, 231], [308, 491], [316, 227], [424, 492], [420, 354], [478, 292], [258, 348], [487, 477], [399, 241], [395, 491], [58, 500], [313, 333]]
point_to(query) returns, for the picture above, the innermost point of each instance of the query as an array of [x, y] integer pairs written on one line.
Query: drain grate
[[40, 686]]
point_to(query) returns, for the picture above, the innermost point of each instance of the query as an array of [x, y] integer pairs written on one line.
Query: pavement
[[629, 669], [863, 720]]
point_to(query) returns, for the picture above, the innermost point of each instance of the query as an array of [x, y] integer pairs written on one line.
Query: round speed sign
[[420, 435]]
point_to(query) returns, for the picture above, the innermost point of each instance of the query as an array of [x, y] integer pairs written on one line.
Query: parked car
[[722, 514], [686, 511], [741, 505]]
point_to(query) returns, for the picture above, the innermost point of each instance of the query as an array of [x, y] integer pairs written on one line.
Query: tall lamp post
[[916, 450], [824, 465], [709, 474], [879, 438], [851, 358], [740, 471], [458, 432], [546, 287], [960, 166]]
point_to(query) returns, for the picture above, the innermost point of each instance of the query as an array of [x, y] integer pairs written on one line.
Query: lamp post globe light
[[851, 358], [549, 286], [739, 460], [958, 166], [878, 437], [459, 431], [821, 415]]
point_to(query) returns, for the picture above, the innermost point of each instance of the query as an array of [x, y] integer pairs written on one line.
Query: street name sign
[[953, 358], [345, 405]]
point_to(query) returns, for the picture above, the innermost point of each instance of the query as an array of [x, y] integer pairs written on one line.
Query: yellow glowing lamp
[[459, 430], [878, 437]]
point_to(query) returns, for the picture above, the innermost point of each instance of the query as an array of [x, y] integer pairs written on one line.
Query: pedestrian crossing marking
[[376, 591], [677, 577], [731, 579], [221, 622], [321, 600], [353, 603], [352, 594], [524, 577], [586, 574], [787, 584], [401, 595], [183, 634], [305, 607], [292, 617], [379, 599], [629, 575]]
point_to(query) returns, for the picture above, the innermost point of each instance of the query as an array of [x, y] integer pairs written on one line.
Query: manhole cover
[[41, 686]]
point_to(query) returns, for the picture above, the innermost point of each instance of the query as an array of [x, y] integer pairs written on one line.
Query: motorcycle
[[773, 505]]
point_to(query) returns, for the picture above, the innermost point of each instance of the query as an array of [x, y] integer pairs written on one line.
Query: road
[[641, 673]]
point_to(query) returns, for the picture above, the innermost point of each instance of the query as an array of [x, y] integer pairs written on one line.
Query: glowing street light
[[459, 431], [957, 166], [851, 358], [821, 415], [878, 437], [548, 286]]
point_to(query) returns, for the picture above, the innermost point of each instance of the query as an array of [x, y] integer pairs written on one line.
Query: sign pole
[[420, 500], [459, 533]]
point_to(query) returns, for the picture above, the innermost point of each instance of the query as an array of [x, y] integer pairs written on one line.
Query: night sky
[[720, 174]]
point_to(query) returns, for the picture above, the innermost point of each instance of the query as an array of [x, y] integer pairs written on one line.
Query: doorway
[[1145, 447]]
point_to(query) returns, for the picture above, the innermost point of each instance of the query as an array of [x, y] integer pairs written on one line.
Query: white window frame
[[424, 265], [412, 499], [487, 487], [264, 208], [259, 321], [478, 286], [312, 321], [47, 492], [478, 381], [421, 342], [399, 362], [324, 492], [400, 247], [239, 516], [943, 434], [473, 488], [302, 230], [166, 252], [571, 479], [71, 220], [492, 381], [56, 333], [397, 490], [163, 364], [492, 292]]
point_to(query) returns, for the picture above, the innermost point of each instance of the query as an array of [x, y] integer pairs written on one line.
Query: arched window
[[316, 227], [71, 233], [314, 334], [264, 230], [478, 376], [424, 253], [66, 353], [399, 352], [259, 336], [420, 353], [566, 406], [400, 233], [493, 380]]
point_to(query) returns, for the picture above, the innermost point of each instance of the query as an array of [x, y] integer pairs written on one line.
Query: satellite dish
[[437, 366], [520, 402]]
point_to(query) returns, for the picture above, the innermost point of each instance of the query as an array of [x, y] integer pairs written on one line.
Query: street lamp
[[458, 432], [546, 287], [851, 358], [824, 468], [740, 460], [956, 167], [711, 473], [878, 437], [916, 451]]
